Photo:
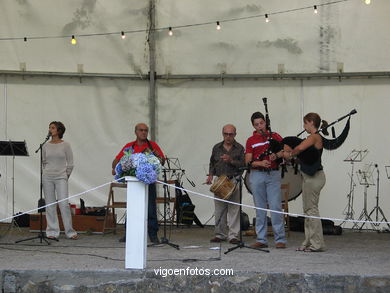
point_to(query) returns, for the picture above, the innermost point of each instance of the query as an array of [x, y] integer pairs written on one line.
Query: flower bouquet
[[144, 166]]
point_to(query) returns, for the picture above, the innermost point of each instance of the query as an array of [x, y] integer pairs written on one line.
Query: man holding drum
[[226, 159]]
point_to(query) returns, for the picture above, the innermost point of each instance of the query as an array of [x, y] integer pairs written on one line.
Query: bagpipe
[[311, 154], [274, 145]]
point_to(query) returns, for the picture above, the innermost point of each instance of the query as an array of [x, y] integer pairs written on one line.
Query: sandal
[[301, 249], [52, 238], [74, 237]]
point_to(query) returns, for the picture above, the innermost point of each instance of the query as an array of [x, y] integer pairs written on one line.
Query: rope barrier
[[202, 195], [58, 201], [269, 210]]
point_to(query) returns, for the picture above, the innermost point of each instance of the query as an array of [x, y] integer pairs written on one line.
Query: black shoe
[[154, 239], [123, 239]]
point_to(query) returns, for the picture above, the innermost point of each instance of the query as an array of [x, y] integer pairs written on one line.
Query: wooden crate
[[81, 223]]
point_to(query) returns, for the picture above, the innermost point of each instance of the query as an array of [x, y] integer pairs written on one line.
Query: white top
[[57, 159]]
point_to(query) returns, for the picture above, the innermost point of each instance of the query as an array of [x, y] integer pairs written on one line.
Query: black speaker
[[22, 220], [186, 214], [244, 221]]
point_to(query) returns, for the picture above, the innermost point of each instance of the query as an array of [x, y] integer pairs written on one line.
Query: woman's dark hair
[[60, 128], [257, 115], [316, 119]]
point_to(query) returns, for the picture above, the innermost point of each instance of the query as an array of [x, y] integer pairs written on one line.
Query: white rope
[[269, 210], [58, 201], [203, 195]]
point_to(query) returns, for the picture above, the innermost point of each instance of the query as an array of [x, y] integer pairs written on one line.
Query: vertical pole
[[152, 71]]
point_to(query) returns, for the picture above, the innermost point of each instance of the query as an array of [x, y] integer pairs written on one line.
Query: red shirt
[[258, 144], [140, 149]]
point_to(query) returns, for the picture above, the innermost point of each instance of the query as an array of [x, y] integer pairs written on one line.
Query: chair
[[112, 204]]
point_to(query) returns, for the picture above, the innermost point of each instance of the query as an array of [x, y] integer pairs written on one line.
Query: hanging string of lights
[[73, 38]]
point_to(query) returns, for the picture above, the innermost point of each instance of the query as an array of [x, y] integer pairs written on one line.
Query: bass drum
[[294, 179]]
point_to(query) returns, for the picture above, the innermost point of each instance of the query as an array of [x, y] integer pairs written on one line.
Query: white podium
[[136, 223]]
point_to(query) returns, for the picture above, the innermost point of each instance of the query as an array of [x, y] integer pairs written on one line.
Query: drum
[[294, 179], [223, 187]]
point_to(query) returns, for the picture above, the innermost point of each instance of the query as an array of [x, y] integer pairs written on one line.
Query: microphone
[[353, 112], [48, 136]]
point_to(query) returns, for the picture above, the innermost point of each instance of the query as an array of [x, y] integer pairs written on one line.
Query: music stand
[[13, 148], [377, 209], [353, 157], [366, 179]]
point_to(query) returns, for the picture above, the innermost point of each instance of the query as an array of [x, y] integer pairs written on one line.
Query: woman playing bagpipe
[[308, 153], [313, 177]]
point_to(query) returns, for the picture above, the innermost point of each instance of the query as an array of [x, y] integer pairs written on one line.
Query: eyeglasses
[[143, 130], [229, 134]]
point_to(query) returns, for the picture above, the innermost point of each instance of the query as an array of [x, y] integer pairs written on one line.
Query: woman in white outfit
[[57, 160]]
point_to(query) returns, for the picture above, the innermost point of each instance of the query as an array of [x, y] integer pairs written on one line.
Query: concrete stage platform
[[354, 262]]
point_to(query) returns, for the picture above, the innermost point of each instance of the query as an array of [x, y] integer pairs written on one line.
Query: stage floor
[[352, 253]]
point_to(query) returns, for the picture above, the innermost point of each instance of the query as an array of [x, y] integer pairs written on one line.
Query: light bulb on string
[[266, 18], [170, 33], [367, 2], [218, 26], [315, 9], [123, 36], [74, 42]]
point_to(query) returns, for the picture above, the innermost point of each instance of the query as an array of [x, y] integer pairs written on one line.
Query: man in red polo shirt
[[265, 181], [142, 144]]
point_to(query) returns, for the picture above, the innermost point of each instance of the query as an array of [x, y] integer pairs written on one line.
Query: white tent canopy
[[100, 112]]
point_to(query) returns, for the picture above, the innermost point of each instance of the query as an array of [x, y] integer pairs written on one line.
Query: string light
[[367, 2], [334, 2], [74, 42], [218, 26], [123, 36], [315, 9]]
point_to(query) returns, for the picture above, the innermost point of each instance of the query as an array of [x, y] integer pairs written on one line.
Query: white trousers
[[51, 187]]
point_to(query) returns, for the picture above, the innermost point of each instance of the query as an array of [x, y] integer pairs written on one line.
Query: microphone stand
[[164, 239], [41, 236], [242, 243]]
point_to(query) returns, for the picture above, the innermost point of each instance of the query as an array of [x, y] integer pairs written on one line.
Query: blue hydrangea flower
[[155, 162], [118, 169], [146, 174], [145, 167], [126, 163], [138, 159]]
